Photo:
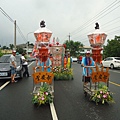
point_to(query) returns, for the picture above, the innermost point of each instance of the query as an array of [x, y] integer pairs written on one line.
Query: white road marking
[[53, 112], [4, 85], [30, 63]]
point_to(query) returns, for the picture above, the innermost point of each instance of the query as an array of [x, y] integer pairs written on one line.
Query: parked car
[[74, 59], [5, 67], [112, 62]]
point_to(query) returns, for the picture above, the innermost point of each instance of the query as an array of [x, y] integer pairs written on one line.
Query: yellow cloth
[[68, 63]]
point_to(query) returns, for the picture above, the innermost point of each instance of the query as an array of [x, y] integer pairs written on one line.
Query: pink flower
[[46, 93], [101, 92], [104, 96], [43, 98]]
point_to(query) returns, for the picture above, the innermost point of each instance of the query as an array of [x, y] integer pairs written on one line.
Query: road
[[69, 100]]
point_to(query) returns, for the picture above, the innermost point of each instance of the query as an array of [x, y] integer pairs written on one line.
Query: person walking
[[13, 65], [25, 66]]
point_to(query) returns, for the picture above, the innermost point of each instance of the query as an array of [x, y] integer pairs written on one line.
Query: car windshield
[[117, 58], [6, 58]]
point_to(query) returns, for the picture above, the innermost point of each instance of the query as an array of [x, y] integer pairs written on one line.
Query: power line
[[102, 26], [6, 15], [99, 18], [20, 32], [99, 14]]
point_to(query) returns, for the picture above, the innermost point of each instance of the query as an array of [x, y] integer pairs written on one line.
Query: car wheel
[[112, 66]]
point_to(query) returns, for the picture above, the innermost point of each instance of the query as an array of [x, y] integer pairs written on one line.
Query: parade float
[[98, 88], [43, 78], [59, 61]]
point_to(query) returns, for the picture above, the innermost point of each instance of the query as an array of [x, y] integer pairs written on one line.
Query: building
[[27, 49], [85, 48]]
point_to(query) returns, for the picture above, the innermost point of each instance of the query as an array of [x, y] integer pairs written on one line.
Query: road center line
[[4, 85], [114, 83], [53, 112]]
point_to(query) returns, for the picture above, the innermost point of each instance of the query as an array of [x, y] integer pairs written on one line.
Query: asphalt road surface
[[69, 100]]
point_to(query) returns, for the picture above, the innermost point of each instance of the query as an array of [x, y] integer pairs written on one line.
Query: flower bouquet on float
[[102, 95], [43, 96]]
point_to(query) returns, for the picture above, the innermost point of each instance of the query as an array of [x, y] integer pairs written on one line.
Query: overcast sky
[[62, 17]]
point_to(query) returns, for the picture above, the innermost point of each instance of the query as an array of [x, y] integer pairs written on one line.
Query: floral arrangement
[[43, 96], [61, 73], [102, 95]]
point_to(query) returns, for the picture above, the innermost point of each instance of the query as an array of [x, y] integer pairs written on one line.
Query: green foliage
[[61, 73], [113, 48], [74, 47], [5, 47], [20, 50], [11, 46], [1, 54], [43, 96], [102, 95]]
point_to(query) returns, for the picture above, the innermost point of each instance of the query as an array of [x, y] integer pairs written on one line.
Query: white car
[[74, 59], [112, 62]]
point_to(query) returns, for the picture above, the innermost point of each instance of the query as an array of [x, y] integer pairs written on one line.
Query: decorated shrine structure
[[41, 47], [57, 51], [42, 74], [97, 39], [99, 75]]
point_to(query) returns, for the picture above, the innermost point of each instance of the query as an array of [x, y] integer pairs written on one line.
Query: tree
[[11, 46], [113, 48], [74, 47], [20, 50], [5, 47]]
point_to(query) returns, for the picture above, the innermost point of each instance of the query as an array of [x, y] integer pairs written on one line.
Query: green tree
[[5, 47], [74, 47], [113, 48], [11, 46], [20, 50]]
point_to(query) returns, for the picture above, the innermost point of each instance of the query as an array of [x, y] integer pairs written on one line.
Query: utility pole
[[69, 37], [15, 34]]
